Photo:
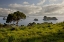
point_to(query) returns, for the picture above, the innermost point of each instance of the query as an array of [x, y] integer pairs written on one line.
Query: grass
[[44, 32]]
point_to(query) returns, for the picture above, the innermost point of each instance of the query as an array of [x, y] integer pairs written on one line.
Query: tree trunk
[[13, 22], [17, 22]]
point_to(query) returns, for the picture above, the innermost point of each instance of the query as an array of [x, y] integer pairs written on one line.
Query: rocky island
[[50, 18], [4, 18], [35, 19]]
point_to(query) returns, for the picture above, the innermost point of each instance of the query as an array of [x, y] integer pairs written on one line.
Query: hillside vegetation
[[44, 32]]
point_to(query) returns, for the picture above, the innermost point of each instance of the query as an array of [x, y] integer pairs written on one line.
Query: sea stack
[[35, 19], [50, 18]]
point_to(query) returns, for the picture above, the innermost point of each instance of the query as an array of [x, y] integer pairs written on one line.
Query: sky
[[33, 7]]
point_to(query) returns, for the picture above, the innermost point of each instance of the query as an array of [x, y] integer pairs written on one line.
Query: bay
[[31, 19]]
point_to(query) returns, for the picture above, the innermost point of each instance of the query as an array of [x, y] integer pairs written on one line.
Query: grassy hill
[[44, 32]]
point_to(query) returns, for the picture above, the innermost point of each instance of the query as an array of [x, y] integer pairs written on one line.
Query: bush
[[1, 25]]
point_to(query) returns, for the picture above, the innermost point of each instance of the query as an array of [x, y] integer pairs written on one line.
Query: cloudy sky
[[33, 7]]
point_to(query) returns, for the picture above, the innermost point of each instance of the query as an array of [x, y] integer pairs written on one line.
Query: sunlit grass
[[45, 32]]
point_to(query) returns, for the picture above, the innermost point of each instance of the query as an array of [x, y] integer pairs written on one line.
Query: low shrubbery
[[44, 32]]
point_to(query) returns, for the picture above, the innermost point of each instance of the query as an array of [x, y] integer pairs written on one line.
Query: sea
[[30, 19]]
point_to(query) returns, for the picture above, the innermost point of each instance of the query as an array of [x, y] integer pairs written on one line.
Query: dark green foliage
[[11, 39], [31, 24], [12, 29], [6, 25], [63, 27], [9, 18], [16, 16], [22, 25]]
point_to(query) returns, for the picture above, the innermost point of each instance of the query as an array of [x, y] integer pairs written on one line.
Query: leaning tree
[[15, 17]]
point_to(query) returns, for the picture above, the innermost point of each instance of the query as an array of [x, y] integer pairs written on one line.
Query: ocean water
[[31, 19]]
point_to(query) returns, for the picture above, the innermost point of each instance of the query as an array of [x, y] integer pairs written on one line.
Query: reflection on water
[[31, 19]]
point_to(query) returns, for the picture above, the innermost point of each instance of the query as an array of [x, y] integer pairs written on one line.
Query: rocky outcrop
[[35, 19], [4, 18], [49, 18]]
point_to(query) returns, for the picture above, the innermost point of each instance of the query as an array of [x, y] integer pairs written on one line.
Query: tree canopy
[[16, 16]]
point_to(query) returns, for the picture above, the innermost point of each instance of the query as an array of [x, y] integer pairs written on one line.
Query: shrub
[[1, 25]]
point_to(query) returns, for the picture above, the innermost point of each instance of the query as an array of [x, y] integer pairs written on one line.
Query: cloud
[[55, 1], [4, 11], [52, 0], [25, 2], [27, 9], [52, 9], [35, 9], [41, 2]]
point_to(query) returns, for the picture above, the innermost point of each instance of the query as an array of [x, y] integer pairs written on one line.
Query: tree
[[16, 16], [9, 18]]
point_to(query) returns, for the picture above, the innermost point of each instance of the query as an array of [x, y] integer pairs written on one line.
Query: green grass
[[45, 32]]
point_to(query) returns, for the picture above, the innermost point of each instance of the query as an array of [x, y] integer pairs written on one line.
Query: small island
[[4, 18], [49, 18], [35, 19]]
